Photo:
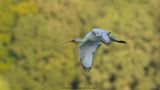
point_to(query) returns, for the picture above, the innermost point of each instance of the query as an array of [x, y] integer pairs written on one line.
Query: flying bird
[[91, 42]]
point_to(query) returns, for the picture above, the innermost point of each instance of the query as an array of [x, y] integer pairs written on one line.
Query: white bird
[[90, 43]]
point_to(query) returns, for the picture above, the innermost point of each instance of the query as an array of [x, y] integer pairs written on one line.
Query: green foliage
[[33, 57], [6, 15], [3, 84]]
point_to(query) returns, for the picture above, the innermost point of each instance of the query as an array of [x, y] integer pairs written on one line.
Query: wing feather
[[102, 35], [87, 50]]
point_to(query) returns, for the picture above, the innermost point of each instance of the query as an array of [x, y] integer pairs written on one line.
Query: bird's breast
[[93, 37]]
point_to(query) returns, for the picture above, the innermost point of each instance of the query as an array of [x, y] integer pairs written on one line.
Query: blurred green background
[[33, 56]]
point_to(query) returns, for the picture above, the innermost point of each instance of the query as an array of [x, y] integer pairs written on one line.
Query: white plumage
[[90, 43]]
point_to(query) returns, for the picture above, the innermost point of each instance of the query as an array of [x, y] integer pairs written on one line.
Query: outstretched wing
[[102, 35], [87, 50], [99, 31]]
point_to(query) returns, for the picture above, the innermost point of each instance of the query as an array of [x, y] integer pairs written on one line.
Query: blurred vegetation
[[33, 57]]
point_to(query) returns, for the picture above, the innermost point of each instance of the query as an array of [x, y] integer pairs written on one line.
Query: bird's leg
[[119, 41]]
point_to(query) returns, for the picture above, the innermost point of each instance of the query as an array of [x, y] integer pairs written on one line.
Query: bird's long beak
[[69, 41]]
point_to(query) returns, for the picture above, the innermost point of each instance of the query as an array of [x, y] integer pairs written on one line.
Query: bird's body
[[92, 37], [87, 48], [90, 43]]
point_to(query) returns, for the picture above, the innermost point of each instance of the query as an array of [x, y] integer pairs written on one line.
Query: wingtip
[[86, 69]]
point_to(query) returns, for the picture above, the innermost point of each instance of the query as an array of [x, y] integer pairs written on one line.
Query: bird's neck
[[78, 40]]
